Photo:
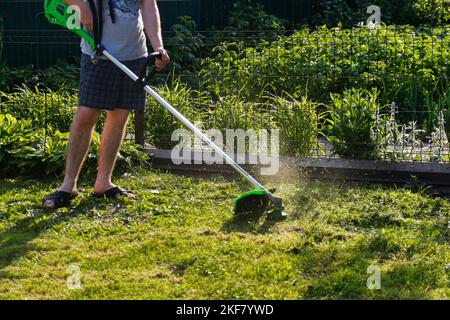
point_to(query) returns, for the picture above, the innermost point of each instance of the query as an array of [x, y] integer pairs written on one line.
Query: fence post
[[139, 127]]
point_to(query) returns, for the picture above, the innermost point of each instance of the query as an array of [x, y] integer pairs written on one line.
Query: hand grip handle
[[144, 76], [155, 55]]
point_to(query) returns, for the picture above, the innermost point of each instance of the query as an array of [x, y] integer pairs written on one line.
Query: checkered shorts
[[105, 86]]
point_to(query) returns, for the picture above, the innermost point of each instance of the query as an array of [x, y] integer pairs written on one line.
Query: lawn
[[180, 240]]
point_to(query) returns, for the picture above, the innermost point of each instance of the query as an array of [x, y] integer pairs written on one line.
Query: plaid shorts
[[105, 86]]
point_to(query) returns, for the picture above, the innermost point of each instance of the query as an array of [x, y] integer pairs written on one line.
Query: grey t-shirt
[[124, 39]]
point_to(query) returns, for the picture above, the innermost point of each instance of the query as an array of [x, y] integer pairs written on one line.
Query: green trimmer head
[[259, 202]]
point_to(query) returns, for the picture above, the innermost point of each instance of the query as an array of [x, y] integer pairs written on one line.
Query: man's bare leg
[[112, 137], [79, 141]]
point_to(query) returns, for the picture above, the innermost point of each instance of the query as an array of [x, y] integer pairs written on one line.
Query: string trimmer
[[259, 200]]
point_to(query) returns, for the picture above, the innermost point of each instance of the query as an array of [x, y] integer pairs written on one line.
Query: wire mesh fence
[[376, 94]]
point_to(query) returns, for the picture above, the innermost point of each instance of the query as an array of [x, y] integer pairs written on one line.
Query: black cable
[[111, 12], [100, 24], [94, 13]]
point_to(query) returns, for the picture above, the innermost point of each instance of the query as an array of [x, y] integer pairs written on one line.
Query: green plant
[[160, 123], [48, 108], [334, 12], [434, 12], [437, 105], [11, 78], [185, 48], [232, 112], [408, 142], [406, 65], [61, 76], [298, 121], [250, 22], [439, 140], [349, 13], [12, 132], [415, 185], [27, 150], [351, 124]]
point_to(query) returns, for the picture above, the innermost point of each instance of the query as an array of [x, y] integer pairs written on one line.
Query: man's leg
[[112, 136], [79, 141]]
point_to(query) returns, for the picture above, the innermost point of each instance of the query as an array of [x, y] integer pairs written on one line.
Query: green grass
[[180, 240]]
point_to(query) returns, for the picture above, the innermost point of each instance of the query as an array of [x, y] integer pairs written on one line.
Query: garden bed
[[430, 174]]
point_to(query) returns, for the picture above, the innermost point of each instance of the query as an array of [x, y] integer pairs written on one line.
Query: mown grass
[[181, 241]]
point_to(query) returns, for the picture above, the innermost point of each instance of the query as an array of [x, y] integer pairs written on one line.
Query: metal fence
[[408, 66], [29, 39]]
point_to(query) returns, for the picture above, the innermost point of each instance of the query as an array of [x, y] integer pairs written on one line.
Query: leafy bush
[[160, 123], [62, 76], [232, 112], [49, 108], [434, 12], [10, 78], [349, 13], [331, 13], [298, 121], [185, 49], [351, 124], [406, 65], [27, 150], [250, 22]]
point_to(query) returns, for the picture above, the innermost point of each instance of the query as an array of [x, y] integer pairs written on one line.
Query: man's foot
[[114, 193], [58, 199]]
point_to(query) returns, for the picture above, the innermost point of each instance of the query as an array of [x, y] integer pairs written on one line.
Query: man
[[104, 87]]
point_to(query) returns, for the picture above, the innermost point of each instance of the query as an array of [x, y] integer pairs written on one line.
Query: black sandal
[[114, 193], [60, 199]]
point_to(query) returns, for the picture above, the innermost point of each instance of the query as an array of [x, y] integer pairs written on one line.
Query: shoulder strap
[[97, 14], [111, 11], [97, 22]]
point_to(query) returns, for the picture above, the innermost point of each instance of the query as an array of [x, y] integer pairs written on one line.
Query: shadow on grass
[[8, 185], [250, 223], [15, 242]]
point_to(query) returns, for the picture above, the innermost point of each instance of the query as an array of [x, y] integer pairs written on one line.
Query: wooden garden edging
[[434, 174]]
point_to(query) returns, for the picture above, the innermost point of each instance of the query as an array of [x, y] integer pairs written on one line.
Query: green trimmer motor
[[258, 201]]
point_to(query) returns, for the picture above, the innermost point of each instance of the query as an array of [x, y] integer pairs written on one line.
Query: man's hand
[[86, 18], [160, 64], [152, 26]]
